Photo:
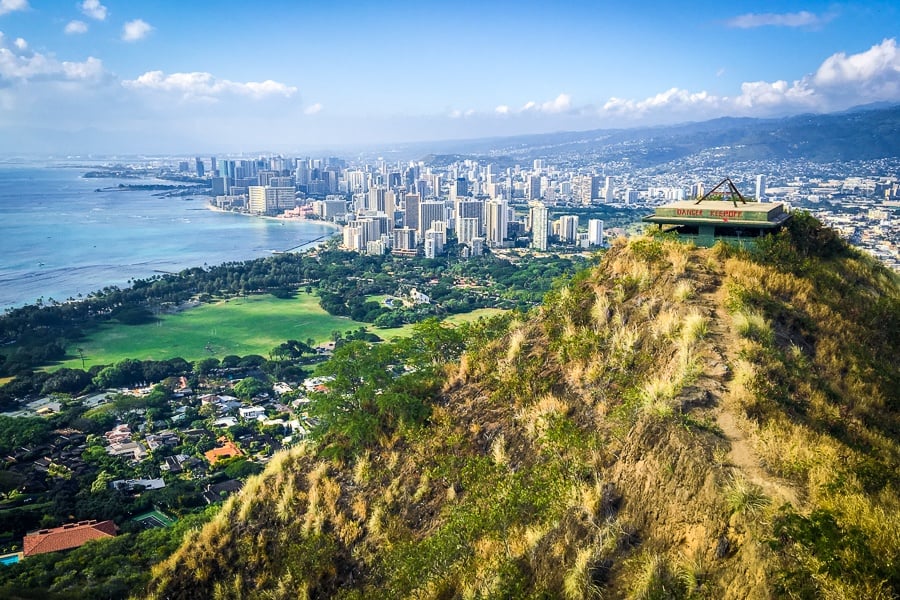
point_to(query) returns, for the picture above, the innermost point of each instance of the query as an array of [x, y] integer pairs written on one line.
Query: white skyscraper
[[467, 229], [595, 232], [568, 228], [469, 209], [495, 222], [540, 225], [760, 188]]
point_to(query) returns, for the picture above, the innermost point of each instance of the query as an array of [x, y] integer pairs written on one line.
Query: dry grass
[[666, 324], [743, 497], [694, 328], [657, 396], [577, 583], [684, 290], [536, 416], [752, 325]]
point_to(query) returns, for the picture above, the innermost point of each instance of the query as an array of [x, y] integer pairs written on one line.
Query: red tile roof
[[71, 535], [227, 450]]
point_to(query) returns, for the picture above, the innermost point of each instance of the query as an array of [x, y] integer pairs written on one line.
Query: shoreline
[[329, 224]]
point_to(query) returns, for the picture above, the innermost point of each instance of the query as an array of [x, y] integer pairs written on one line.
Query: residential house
[[71, 535]]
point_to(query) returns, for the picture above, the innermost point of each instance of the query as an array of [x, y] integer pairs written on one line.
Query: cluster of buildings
[[409, 208]]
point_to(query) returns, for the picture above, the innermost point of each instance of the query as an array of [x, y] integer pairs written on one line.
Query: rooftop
[[765, 215], [71, 535]]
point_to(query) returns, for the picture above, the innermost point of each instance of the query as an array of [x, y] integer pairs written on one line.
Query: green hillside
[[673, 423]]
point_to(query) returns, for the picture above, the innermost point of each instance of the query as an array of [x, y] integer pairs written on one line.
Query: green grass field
[[249, 325], [241, 326]]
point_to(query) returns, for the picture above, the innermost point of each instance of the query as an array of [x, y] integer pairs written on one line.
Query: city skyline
[[95, 76]]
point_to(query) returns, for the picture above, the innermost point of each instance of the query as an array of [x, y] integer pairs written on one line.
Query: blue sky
[[82, 76]]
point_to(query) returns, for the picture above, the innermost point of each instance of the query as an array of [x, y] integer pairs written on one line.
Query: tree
[[248, 387]]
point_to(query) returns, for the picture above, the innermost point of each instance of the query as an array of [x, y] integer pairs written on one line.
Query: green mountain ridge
[[673, 422]]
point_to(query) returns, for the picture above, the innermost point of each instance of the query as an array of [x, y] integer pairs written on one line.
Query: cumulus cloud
[[136, 30], [94, 9], [840, 82], [560, 104], [798, 19], [673, 99], [313, 109], [8, 6], [18, 64], [76, 27], [204, 86]]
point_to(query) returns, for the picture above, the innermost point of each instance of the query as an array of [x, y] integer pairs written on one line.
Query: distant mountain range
[[861, 133]]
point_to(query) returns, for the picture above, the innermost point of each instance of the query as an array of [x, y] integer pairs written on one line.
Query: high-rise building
[[608, 190], [411, 211], [213, 167], [595, 232], [467, 229], [256, 200], [199, 162], [354, 236], [376, 199], [460, 187], [430, 212], [466, 209], [357, 181], [533, 187], [568, 228], [404, 241], [539, 218], [590, 188], [266, 200], [435, 238], [760, 188], [495, 222]]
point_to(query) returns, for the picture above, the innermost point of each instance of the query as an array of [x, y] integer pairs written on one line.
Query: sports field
[[153, 519], [241, 326]]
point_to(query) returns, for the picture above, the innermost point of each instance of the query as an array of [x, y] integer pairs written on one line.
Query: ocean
[[59, 238]]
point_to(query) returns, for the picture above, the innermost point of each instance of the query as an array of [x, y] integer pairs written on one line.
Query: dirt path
[[741, 456]]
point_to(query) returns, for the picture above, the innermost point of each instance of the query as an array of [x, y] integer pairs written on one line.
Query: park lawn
[[407, 330], [241, 326]]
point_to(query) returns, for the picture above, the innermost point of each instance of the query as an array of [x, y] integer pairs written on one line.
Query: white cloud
[[204, 86], [94, 9], [879, 64], [136, 30], [560, 104], [841, 81], [8, 6], [673, 99], [798, 19], [17, 64], [313, 109], [75, 27]]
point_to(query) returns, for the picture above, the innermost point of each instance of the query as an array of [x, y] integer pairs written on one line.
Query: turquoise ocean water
[[60, 238]]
